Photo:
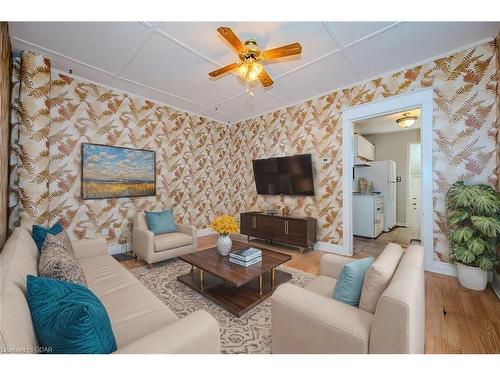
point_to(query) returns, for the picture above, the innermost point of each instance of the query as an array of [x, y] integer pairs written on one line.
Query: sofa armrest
[[90, 247], [190, 230], [143, 243], [331, 264], [197, 333], [305, 322]]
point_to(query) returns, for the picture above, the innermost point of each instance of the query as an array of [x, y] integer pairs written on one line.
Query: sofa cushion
[[379, 276], [133, 310], [18, 258], [322, 285], [39, 233], [68, 318], [161, 221], [58, 261], [169, 241], [350, 281]]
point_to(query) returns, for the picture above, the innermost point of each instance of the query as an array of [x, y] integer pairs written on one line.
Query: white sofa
[[153, 249], [309, 320], [141, 323]]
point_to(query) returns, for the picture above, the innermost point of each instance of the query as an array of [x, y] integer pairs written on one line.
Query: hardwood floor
[[458, 320]]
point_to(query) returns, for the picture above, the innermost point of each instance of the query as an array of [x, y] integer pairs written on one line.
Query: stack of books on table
[[246, 257]]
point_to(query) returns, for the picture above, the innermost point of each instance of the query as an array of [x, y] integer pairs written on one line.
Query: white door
[[415, 203]]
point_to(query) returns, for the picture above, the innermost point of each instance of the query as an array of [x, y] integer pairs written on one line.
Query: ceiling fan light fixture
[[254, 71], [249, 53], [406, 121]]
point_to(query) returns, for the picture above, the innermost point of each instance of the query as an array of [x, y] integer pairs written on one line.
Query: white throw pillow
[[378, 277]]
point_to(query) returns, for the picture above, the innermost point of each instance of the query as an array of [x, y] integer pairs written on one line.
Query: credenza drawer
[[295, 231]]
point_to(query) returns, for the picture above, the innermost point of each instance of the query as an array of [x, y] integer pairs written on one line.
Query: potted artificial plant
[[473, 213]]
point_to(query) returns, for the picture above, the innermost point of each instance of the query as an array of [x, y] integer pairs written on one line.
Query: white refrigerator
[[383, 175]]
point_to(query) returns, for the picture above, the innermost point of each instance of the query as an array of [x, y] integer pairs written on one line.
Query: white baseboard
[[401, 224], [442, 268], [331, 248]]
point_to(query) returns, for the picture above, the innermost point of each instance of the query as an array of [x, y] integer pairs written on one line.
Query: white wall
[[394, 146]]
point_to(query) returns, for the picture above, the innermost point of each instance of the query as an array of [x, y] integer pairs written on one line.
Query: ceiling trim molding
[[136, 50], [186, 47], [333, 36], [375, 33], [63, 56], [421, 62]]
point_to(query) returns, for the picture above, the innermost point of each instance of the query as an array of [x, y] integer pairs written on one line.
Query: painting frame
[[85, 196]]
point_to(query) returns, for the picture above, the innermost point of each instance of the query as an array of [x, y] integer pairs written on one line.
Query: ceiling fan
[[251, 56]]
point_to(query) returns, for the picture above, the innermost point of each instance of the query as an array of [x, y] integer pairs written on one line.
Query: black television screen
[[289, 175]]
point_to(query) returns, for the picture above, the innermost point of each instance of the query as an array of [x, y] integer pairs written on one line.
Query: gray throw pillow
[[58, 260]]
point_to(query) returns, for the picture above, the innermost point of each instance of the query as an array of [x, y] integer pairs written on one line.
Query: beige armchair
[[153, 249], [309, 320]]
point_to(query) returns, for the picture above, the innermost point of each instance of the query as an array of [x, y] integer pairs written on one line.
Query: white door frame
[[408, 180], [422, 99]]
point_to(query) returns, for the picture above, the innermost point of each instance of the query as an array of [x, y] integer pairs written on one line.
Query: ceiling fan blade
[[231, 37], [283, 51], [265, 79], [224, 69]]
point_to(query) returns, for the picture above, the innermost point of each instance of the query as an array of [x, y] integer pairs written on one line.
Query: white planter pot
[[472, 277], [224, 244]]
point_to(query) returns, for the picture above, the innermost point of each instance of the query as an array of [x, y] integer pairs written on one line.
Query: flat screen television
[[289, 175]]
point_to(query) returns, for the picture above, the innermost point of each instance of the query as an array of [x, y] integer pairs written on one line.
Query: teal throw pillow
[[350, 281], [39, 233], [161, 222], [68, 318]]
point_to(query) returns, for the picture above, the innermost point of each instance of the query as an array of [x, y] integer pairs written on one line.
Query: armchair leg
[[150, 265]]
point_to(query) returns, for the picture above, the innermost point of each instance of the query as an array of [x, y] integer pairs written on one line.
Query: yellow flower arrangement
[[224, 225]]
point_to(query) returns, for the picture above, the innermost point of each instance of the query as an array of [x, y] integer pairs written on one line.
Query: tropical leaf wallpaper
[[191, 153], [464, 138], [204, 167]]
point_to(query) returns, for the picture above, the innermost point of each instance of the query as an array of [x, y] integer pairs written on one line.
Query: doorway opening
[[386, 183], [422, 99]]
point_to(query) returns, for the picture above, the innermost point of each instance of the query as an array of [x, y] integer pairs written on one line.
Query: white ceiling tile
[[218, 116], [325, 75], [348, 32], [166, 66], [412, 42], [102, 44], [204, 38], [245, 106]]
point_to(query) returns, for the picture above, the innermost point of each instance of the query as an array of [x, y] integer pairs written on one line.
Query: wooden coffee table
[[235, 288]]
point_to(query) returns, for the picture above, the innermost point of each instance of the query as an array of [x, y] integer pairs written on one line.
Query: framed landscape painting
[[116, 172]]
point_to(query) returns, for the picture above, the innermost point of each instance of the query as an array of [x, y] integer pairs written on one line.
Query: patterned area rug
[[249, 334]]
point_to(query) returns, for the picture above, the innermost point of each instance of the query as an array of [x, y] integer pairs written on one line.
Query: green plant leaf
[[486, 202], [457, 216], [464, 256], [476, 245], [488, 226], [462, 235], [460, 195], [485, 263]]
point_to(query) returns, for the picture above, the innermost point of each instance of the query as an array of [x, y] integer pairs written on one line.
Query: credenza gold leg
[[202, 279], [301, 250], [273, 277], [260, 284]]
